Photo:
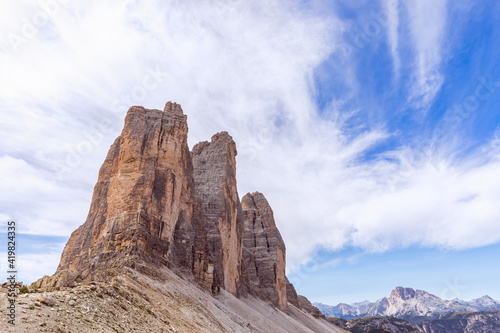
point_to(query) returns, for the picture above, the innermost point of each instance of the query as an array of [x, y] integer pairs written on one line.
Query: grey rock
[[218, 221], [291, 295], [409, 304], [263, 251], [309, 308], [465, 322], [46, 299], [377, 325]]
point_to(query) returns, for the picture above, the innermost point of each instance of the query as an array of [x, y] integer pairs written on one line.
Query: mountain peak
[[403, 293], [485, 297]]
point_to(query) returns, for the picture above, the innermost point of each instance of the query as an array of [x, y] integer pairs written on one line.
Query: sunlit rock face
[[143, 197]]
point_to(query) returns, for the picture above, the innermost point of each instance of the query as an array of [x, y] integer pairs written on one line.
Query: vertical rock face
[[142, 198], [157, 203], [217, 255], [263, 251]]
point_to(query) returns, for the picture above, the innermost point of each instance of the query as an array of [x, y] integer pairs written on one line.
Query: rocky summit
[[168, 245]]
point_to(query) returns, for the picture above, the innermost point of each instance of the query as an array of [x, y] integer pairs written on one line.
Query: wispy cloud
[[428, 24], [392, 8]]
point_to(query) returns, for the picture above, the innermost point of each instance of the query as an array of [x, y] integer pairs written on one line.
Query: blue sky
[[352, 275], [370, 126], [464, 111]]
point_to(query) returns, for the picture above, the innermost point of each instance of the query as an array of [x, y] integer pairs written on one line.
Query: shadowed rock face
[[291, 295], [156, 205], [377, 325], [467, 322], [263, 251], [308, 307], [217, 246]]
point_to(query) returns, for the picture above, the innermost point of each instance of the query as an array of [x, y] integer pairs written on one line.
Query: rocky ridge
[[465, 322], [159, 208], [376, 325], [409, 304], [455, 322]]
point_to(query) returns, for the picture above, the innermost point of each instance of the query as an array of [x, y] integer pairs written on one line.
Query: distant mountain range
[[455, 322], [409, 304]]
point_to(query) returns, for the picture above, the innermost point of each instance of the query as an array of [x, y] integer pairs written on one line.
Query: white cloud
[[34, 199], [428, 23], [236, 66], [383, 205], [233, 66], [32, 266], [436, 205]]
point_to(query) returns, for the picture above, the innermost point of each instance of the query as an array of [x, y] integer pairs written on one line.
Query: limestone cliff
[[158, 206]]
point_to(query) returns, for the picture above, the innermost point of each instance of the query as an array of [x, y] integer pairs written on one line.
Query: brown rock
[[65, 278], [263, 251], [142, 198], [218, 228]]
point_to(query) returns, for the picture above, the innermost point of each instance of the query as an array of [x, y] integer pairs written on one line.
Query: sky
[[372, 127]]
